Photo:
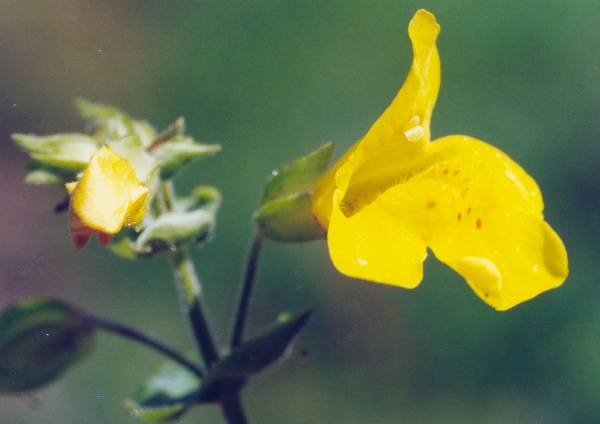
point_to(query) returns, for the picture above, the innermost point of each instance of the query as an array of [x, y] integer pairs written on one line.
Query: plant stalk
[[189, 286], [245, 295], [231, 404], [144, 338]]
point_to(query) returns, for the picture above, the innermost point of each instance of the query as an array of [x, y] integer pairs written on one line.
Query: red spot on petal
[[478, 223], [459, 216], [445, 172], [456, 172], [469, 210], [430, 205]]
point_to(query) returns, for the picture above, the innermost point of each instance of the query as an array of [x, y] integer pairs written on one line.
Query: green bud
[[39, 340], [69, 152], [285, 212]]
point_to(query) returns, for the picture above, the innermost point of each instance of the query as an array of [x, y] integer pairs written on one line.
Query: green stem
[[245, 295], [231, 404], [190, 289], [146, 339], [191, 293]]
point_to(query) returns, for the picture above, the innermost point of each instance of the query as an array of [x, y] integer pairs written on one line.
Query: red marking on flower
[[459, 216], [478, 223], [430, 205], [445, 172]]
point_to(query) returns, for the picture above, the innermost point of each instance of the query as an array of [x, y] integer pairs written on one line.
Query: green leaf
[[290, 219], [255, 354], [180, 150], [70, 151], [298, 176], [175, 229], [39, 340], [164, 395]]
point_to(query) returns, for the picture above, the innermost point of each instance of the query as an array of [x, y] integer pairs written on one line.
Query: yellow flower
[[108, 197], [395, 193]]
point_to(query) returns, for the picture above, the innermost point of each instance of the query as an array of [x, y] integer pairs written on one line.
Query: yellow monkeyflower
[[395, 193], [108, 197]]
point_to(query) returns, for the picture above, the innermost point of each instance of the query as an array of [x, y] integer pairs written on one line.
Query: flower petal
[[403, 128], [109, 194], [374, 245], [481, 214]]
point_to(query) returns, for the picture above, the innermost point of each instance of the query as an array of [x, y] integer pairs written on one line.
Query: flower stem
[[144, 338], [190, 289], [245, 295], [189, 286], [231, 404]]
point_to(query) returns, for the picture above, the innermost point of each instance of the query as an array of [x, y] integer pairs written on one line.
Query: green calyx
[[285, 212]]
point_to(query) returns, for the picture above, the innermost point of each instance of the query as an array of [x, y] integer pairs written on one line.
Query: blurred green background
[[272, 80]]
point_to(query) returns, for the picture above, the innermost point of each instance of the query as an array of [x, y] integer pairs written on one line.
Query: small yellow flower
[[395, 193], [108, 197]]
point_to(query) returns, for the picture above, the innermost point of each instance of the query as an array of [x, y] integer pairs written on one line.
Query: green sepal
[[70, 151], [165, 395], [41, 174], [178, 151], [299, 175], [191, 221], [175, 229], [110, 123], [39, 340], [132, 150], [290, 219], [255, 354], [123, 245], [104, 122], [205, 197], [285, 211]]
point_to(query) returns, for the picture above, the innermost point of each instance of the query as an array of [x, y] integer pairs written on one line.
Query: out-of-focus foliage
[[271, 81]]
